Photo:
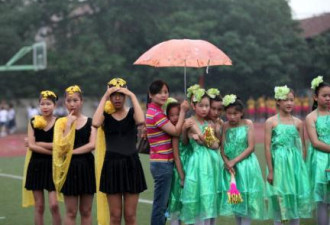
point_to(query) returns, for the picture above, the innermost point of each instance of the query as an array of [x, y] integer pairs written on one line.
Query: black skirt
[[80, 179], [122, 174], [39, 174]]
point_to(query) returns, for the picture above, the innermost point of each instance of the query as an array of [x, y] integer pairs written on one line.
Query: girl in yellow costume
[[122, 177], [38, 164], [73, 162]]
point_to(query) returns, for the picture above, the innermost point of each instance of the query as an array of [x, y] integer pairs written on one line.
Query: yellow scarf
[[62, 152], [27, 196], [103, 216]]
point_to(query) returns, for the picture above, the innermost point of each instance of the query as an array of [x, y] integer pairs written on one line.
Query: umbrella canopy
[[184, 53]]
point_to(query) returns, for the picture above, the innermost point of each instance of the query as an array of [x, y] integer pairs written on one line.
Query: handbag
[[143, 146]]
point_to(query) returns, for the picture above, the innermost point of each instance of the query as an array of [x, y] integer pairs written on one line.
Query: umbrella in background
[[184, 53]]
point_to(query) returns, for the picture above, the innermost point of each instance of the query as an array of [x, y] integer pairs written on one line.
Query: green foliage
[[90, 48]]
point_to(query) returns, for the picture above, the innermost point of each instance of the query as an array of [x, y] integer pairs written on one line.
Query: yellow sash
[[27, 196], [62, 152], [103, 216]]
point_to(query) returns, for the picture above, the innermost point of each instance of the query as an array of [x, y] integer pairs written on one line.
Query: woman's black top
[[120, 135]]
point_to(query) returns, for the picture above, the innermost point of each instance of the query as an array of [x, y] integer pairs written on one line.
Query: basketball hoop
[[39, 58]]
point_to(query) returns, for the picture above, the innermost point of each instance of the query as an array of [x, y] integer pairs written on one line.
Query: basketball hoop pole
[[38, 64]]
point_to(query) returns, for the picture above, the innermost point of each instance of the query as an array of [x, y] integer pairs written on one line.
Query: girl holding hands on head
[[39, 170], [73, 162], [122, 177], [318, 160], [288, 187]]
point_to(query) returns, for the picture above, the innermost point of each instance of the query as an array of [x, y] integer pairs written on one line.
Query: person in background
[[11, 127], [3, 121]]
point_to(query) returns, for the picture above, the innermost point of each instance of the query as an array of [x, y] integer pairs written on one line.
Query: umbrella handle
[[185, 82]]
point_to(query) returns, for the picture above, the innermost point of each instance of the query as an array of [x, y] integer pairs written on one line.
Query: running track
[[13, 145]]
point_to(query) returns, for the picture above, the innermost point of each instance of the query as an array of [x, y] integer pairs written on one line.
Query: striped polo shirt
[[160, 142]]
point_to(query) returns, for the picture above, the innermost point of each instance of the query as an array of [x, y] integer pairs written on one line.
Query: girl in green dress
[[288, 188], [181, 155], [237, 153], [201, 190], [318, 159]]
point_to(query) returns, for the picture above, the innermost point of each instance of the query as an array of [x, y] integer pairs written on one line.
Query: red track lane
[[13, 145]]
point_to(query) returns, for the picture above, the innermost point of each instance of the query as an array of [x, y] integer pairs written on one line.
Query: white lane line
[[11, 176], [21, 178]]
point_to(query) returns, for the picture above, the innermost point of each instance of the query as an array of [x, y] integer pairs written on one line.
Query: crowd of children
[[202, 167], [264, 107]]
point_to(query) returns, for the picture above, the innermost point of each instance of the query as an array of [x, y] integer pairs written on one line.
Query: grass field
[[11, 212]]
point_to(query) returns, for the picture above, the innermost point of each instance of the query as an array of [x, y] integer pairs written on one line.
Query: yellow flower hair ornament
[[48, 94], [281, 93], [316, 82], [39, 122], [212, 92], [73, 89], [191, 89], [117, 82], [109, 108], [229, 99]]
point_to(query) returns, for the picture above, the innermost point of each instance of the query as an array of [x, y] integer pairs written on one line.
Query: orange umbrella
[[184, 53]]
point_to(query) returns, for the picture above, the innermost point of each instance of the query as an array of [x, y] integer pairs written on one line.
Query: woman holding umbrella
[[159, 132]]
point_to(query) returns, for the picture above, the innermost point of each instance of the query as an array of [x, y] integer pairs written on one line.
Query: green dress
[[200, 196], [319, 161], [289, 196], [248, 177], [174, 204]]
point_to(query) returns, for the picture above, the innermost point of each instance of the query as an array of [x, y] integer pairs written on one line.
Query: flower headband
[[117, 82], [73, 89], [212, 92], [169, 100], [281, 93], [191, 89], [198, 94], [316, 82], [48, 94], [229, 99]]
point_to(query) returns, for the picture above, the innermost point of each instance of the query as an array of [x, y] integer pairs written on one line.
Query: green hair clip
[[316, 82], [229, 99], [191, 89], [281, 93], [198, 94], [212, 92]]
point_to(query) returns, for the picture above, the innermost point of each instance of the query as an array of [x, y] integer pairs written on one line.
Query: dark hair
[[217, 98], [238, 104], [172, 105], [316, 92], [155, 87]]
